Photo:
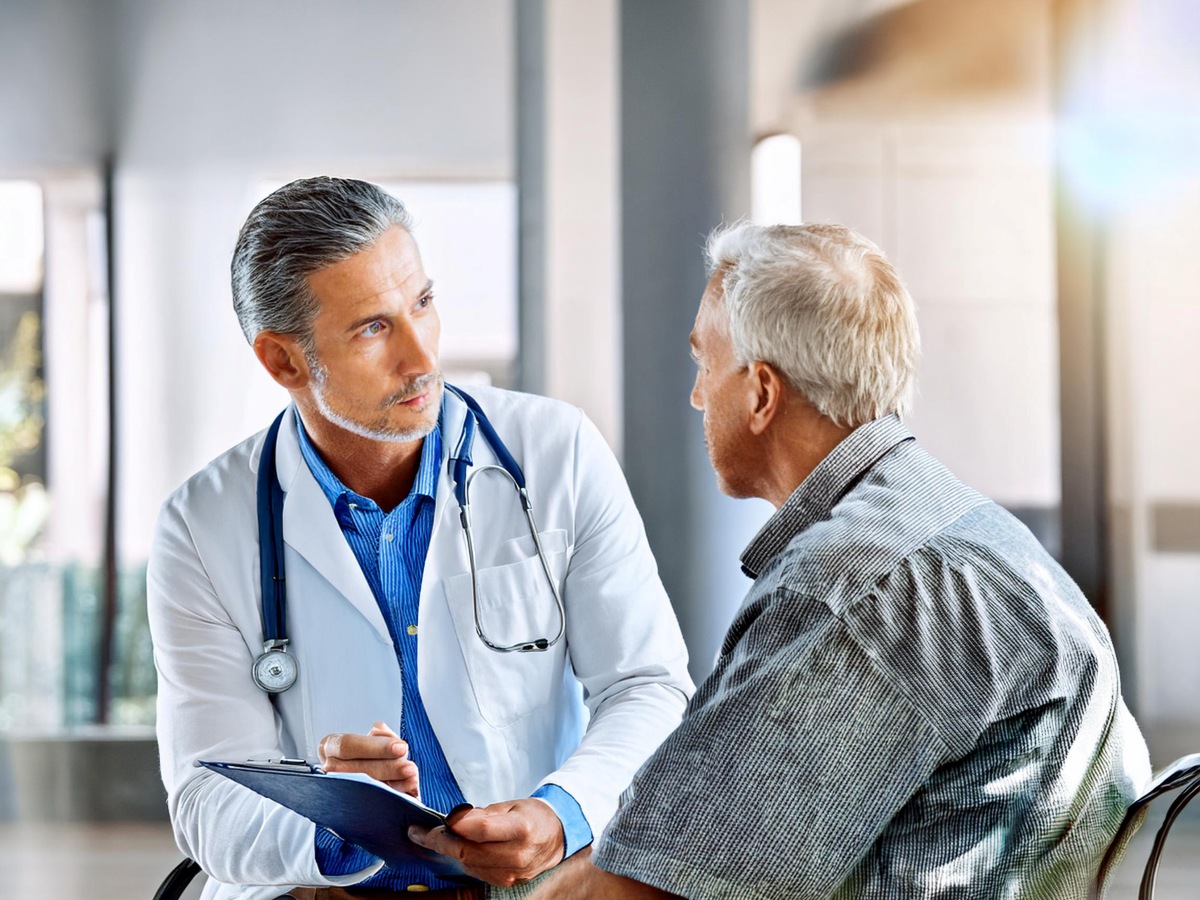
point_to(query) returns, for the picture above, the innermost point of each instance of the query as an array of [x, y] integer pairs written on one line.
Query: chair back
[[177, 881], [1183, 776]]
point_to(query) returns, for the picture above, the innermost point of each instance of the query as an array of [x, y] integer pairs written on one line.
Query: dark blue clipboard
[[356, 808]]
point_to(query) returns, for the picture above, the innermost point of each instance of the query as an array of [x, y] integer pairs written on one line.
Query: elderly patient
[[914, 700]]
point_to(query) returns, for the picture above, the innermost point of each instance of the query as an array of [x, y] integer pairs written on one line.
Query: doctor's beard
[[432, 382]]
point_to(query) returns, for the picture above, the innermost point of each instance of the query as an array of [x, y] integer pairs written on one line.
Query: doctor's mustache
[[413, 387]]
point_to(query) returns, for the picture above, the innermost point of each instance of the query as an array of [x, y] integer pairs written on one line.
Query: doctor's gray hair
[[825, 308], [302, 227]]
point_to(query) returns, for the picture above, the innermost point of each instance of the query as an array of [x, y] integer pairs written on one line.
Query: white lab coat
[[506, 722]]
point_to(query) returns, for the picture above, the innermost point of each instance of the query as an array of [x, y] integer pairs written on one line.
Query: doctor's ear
[[282, 357], [767, 387]]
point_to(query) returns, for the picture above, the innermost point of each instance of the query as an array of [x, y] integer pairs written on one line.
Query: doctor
[[389, 623]]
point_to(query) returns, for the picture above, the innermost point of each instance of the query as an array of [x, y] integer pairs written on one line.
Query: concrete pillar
[[685, 148]]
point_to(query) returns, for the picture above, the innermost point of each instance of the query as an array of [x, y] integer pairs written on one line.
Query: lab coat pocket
[[515, 605]]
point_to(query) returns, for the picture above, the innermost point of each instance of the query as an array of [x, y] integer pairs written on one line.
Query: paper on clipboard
[[356, 807]]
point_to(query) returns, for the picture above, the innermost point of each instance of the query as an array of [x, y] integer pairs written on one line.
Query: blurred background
[[1031, 166]]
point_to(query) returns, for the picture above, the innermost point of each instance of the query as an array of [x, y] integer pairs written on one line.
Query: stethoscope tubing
[[273, 670], [529, 645]]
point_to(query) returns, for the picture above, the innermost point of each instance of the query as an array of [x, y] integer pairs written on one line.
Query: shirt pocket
[[515, 605]]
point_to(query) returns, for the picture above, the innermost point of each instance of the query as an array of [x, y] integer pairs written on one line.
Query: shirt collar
[[823, 488], [431, 460], [341, 497]]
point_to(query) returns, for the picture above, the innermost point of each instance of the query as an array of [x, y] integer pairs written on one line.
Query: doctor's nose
[[417, 351]]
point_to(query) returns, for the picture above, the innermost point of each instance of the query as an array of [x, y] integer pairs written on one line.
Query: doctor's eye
[[426, 300], [373, 328]]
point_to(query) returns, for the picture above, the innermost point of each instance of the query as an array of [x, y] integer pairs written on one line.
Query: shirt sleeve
[[336, 857], [577, 834], [793, 757]]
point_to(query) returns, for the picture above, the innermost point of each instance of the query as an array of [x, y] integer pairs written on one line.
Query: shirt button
[[417, 888], [412, 630], [388, 536]]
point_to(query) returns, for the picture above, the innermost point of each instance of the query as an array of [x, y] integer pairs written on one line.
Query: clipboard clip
[[282, 764]]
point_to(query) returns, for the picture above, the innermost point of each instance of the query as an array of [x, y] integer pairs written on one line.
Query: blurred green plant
[[24, 504]]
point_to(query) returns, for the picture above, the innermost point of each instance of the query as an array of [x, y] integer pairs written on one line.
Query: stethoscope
[[275, 669]]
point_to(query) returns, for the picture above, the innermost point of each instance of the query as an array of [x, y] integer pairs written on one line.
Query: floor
[[127, 862], [96, 862]]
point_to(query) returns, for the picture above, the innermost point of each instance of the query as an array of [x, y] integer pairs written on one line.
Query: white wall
[[965, 212], [957, 191], [1144, 186], [53, 74], [218, 97], [422, 85], [1154, 317]]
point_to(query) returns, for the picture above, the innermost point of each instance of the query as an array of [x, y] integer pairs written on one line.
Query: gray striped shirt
[[914, 700]]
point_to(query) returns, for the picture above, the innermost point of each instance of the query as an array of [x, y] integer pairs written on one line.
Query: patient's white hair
[[825, 308]]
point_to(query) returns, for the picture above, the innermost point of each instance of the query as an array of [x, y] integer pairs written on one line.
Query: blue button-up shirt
[[391, 548]]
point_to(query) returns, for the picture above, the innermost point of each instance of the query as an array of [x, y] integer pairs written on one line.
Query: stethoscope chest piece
[[275, 669]]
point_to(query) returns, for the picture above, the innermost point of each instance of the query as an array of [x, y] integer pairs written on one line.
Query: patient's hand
[[379, 753]]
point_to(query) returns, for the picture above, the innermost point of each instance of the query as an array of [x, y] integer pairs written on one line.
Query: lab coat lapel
[[310, 528]]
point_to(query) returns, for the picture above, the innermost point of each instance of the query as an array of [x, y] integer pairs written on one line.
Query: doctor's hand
[[503, 844], [379, 753]]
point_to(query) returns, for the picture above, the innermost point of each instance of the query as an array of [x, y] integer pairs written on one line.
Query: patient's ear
[[282, 357], [768, 395]]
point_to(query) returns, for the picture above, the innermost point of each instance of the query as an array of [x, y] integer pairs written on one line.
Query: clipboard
[[355, 807]]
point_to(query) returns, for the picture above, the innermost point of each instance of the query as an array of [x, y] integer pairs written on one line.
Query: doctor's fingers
[[409, 785], [360, 746], [382, 728], [528, 821], [439, 840], [399, 773], [501, 864], [498, 823]]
